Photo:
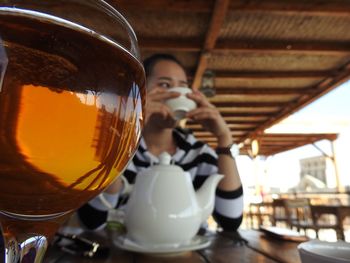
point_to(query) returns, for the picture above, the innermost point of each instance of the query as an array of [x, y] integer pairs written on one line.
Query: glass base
[[26, 238]]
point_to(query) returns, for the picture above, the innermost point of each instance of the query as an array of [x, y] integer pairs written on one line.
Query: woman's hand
[[155, 107], [208, 116]]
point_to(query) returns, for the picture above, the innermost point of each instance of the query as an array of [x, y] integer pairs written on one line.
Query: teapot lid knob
[[164, 158]]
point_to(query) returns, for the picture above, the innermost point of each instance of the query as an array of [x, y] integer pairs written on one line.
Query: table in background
[[222, 250], [339, 210]]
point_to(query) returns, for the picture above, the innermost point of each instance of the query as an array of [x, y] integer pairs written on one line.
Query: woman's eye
[[164, 85]]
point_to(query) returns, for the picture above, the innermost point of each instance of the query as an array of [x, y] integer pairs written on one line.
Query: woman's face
[[167, 74]]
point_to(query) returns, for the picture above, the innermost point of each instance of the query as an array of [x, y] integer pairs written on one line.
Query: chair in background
[[279, 213], [301, 216], [259, 214]]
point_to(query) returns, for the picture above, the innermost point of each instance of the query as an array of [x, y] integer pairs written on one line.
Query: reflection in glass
[[71, 114]]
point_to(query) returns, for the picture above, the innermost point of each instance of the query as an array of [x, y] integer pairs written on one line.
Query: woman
[[160, 134]]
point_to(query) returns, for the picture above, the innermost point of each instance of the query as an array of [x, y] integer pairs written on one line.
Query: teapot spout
[[206, 195]]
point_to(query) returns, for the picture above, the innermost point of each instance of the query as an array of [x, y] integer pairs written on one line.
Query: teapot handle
[[127, 187]]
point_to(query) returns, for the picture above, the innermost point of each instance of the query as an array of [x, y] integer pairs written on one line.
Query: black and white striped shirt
[[193, 156]]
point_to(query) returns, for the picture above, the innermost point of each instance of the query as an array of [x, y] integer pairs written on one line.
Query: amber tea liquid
[[71, 113]]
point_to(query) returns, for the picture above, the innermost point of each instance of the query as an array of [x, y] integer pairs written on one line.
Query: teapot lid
[[164, 158], [165, 164]]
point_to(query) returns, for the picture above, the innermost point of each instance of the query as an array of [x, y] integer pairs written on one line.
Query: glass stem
[[31, 250], [27, 239]]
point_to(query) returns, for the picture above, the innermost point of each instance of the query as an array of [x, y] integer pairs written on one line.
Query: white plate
[[283, 233], [198, 242]]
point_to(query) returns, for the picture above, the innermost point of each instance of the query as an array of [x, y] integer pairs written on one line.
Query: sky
[[336, 104], [330, 113]]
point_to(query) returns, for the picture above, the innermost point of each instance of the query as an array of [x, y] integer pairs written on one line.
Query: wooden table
[[222, 250], [340, 211], [276, 249]]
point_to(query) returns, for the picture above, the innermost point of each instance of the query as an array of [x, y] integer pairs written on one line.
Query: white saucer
[[324, 252], [198, 242]]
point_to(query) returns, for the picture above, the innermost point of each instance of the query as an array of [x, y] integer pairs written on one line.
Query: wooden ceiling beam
[[250, 104], [280, 144], [213, 139], [265, 114], [321, 7], [281, 141], [248, 46], [243, 121], [217, 19], [292, 7], [260, 91], [320, 90], [297, 136], [247, 119], [184, 45], [290, 47], [245, 129], [201, 67], [234, 127], [273, 143], [164, 5], [273, 74], [232, 122], [201, 134]]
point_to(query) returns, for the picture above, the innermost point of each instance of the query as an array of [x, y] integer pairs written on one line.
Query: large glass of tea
[[71, 113]]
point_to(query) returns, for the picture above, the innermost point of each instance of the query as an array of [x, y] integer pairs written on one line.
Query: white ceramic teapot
[[164, 209]]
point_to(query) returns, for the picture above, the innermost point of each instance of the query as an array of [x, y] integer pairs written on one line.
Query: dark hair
[[151, 61]]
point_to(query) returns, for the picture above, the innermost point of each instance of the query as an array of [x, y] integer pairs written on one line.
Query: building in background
[[319, 167]]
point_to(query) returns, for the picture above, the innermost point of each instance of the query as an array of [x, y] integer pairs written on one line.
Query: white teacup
[[181, 105]]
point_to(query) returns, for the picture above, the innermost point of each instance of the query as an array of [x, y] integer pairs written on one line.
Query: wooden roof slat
[[292, 107], [290, 136], [213, 141], [217, 19], [231, 111], [201, 67], [271, 144], [272, 74], [247, 114], [248, 122], [162, 5], [270, 58], [187, 45], [293, 7], [230, 120], [321, 7], [275, 145], [252, 104], [261, 90], [261, 46], [233, 129], [282, 47], [201, 134]]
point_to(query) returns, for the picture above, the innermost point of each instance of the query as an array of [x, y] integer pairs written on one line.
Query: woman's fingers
[[159, 109], [203, 113], [158, 94], [210, 118], [159, 113], [200, 99]]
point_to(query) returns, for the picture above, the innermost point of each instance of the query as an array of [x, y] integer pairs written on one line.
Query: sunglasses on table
[[80, 246]]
